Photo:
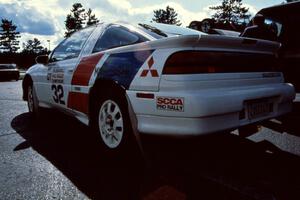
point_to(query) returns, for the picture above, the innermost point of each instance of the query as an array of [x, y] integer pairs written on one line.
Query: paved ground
[[59, 158]]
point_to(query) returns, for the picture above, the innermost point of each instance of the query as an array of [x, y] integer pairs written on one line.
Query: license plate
[[258, 109]]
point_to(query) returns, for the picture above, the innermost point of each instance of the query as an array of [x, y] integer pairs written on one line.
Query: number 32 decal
[[58, 94]]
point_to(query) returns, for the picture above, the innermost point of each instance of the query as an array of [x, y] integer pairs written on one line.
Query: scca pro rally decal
[[170, 103]]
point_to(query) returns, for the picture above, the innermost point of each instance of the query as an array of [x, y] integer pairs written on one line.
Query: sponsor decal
[[150, 70], [56, 76], [170, 103]]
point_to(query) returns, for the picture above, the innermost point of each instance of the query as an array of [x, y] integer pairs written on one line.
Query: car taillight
[[199, 62], [187, 63]]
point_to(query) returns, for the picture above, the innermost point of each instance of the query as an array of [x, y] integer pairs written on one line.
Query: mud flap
[[136, 133]]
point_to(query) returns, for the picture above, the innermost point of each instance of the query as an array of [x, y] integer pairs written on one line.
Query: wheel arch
[[100, 87], [26, 82]]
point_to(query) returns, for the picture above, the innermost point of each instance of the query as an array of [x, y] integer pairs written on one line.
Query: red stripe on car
[[78, 101], [145, 95], [85, 69]]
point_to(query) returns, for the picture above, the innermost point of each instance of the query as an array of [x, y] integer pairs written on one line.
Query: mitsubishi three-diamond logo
[[151, 71]]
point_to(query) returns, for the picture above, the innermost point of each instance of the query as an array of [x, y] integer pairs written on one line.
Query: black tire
[[206, 25], [32, 102]]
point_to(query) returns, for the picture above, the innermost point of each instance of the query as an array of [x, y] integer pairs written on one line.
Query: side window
[[116, 36], [274, 26], [71, 46]]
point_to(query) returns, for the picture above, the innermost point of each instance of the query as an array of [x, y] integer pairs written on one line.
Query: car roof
[[281, 10], [168, 29], [172, 30], [283, 5]]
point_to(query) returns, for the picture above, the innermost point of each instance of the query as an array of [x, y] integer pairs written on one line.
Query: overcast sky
[[44, 19]]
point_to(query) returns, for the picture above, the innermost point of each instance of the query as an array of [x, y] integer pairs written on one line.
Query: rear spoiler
[[239, 43], [206, 42]]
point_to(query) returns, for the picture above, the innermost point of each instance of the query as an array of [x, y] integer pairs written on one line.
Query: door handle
[[70, 70]]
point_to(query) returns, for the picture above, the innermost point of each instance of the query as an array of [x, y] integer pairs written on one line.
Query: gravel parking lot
[[58, 158]]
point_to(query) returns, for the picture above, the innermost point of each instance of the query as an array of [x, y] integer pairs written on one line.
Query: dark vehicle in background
[[211, 26], [9, 72], [284, 20]]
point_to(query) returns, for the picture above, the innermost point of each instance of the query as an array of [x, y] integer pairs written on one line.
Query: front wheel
[[30, 99], [32, 102]]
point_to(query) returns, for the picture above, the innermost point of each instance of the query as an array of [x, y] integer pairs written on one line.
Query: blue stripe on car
[[123, 67]]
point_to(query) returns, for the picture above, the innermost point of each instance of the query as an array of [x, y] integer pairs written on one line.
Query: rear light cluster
[[199, 62]]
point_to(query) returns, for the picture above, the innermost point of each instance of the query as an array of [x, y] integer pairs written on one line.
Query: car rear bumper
[[210, 111], [183, 126]]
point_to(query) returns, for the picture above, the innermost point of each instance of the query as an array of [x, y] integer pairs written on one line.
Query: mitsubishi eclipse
[[163, 80]]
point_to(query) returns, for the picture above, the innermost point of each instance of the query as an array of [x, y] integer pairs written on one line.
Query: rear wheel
[[111, 124]]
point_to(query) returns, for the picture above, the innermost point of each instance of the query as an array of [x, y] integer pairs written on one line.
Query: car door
[[62, 63]]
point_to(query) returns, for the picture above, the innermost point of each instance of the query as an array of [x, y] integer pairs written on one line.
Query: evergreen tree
[[168, 16], [75, 19], [231, 11], [33, 46], [9, 36], [91, 18]]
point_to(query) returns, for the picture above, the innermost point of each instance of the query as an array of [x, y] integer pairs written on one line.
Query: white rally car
[[167, 81]]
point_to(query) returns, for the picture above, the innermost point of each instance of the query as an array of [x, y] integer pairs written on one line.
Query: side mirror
[[42, 59]]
